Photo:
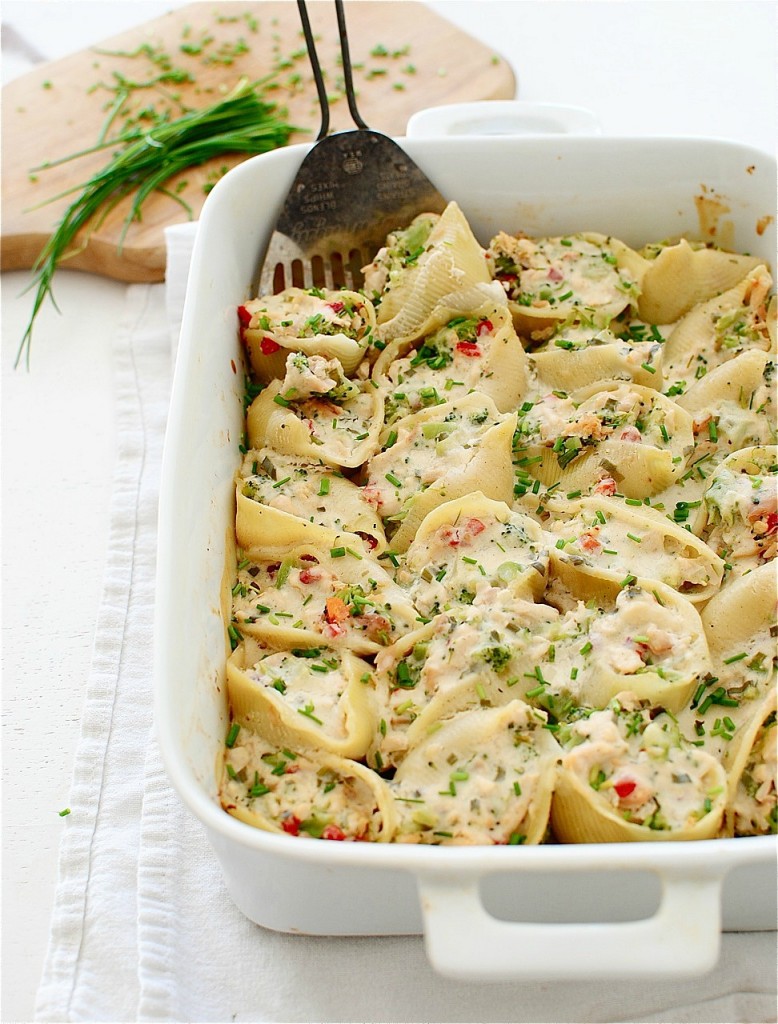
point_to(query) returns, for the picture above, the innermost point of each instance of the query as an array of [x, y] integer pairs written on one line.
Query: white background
[[672, 67]]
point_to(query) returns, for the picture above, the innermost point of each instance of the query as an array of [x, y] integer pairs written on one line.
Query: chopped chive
[[735, 657], [232, 735]]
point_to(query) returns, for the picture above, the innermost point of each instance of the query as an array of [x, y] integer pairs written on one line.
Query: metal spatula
[[351, 189]]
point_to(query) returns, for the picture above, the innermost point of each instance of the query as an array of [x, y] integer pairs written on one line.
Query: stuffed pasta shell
[[436, 455], [733, 407], [607, 637], [740, 627], [720, 329], [316, 412], [303, 792], [475, 349], [316, 321], [283, 501], [310, 697], [469, 656], [466, 545], [418, 267], [603, 538], [741, 508], [576, 356], [677, 276], [628, 433], [587, 277], [339, 597], [729, 703], [628, 775], [752, 798], [483, 778]]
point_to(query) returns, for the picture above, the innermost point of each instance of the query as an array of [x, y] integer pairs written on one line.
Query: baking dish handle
[[464, 941], [501, 117]]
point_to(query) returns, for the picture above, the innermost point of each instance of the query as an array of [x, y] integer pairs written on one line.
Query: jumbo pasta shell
[[305, 792], [294, 700], [743, 608], [740, 506], [451, 261], [604, 538], [439, 454], [751, 768], [638, 636], [580, 815], [338, 433], [485, 776], [588, 277], [558, 367], [471, 543], [717, 330], [632, 434], [287, 322], [299, 502], [468, 343], [470, 656], [315, 597], [680, 277]]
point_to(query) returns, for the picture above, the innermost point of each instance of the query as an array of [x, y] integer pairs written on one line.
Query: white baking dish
[[492, 913]]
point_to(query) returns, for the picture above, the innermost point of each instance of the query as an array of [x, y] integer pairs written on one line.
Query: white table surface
[[688, 67]]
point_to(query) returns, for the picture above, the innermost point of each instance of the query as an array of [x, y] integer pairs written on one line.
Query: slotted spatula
[[351, 189]]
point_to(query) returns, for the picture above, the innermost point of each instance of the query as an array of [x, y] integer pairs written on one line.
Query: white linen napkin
[[143, 928]]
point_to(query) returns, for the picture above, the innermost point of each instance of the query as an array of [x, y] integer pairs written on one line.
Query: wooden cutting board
[[405, 58]]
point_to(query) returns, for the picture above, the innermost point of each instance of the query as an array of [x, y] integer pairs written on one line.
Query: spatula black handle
[[316, 68]]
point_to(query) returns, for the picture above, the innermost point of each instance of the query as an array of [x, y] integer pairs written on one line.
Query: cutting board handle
[[502, 117], [464, 941]]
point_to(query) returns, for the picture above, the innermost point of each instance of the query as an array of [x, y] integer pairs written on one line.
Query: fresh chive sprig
[[147, 158]]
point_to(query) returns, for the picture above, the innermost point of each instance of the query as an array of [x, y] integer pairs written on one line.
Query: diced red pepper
[[369, 539], [468, 348], [485, 327], [333, 832], [291, 825], [336, 307], [244, 315], [555, 275], [473, 527], [624, 788], [456, 535], [306, 576], [267, 346], [772, 522]]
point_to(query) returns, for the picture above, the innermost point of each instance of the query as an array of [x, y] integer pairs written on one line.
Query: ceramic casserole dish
[[487, 913]]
